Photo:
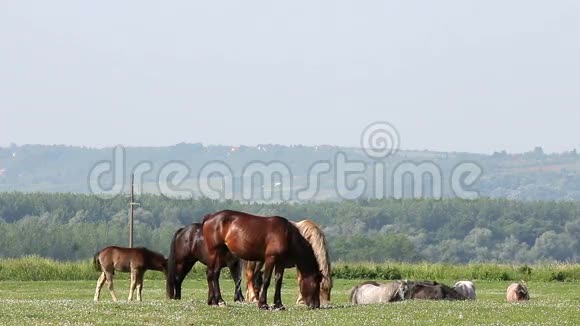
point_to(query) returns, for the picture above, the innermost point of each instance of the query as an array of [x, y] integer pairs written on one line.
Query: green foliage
[[34, 268], [74, 227], [487, 272]]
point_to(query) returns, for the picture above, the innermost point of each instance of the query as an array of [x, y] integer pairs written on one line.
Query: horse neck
[[156, 264], [303, 254]]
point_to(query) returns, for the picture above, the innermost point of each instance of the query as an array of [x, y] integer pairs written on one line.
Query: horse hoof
[[278, 308], [264, 307], [221, 304], [239, 299]]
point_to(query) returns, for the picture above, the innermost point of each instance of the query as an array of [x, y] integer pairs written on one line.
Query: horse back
[[372, 292], [247, 236], [123, 259], [433, 291], [117, 258], [189, 244]]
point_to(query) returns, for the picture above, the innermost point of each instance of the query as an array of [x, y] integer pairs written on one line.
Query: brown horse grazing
[[134, 260], [187, 248], [314, 235], [273, 240]]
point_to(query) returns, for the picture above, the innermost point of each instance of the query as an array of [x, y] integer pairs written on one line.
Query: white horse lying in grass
[[466, 288], [373, 292]]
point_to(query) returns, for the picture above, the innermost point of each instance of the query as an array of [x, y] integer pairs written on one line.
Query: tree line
[[75, 226]]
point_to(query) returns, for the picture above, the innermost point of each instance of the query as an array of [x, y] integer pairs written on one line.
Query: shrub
[[35, 268]]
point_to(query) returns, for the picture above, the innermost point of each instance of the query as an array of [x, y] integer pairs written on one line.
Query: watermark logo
[[379, 140], [343, 174]]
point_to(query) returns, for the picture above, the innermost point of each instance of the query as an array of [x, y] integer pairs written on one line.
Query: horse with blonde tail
[[271, 239], [317, 240]]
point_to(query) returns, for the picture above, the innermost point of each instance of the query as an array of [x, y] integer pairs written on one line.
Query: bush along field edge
[[35, 268]]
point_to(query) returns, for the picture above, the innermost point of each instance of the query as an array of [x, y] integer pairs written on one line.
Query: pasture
[[70, 302]]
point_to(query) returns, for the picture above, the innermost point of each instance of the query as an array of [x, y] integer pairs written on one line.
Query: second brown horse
[[187, 248], [274, 240]]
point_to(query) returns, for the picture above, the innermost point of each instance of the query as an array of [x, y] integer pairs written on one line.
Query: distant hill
[[528, 176]]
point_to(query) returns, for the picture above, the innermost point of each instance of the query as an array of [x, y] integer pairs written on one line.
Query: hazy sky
[[459, 75]]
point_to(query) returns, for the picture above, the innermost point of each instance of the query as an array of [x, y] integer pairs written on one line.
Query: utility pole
[[132, 205]]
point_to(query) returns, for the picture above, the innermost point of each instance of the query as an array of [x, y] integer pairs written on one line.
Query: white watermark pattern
[[382, 175], [379, 140]]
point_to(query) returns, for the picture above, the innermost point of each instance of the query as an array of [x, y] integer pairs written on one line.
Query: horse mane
[[524, 288], [152, 253], [145, 249], [352, 293], [314, 235], [302, 250]]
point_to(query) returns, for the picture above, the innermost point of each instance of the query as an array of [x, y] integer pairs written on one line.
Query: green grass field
[[71, 302]]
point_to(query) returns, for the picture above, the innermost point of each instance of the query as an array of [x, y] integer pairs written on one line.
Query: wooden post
[[132, 204]]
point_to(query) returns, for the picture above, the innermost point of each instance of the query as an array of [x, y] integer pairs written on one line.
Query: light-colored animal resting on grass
[[373, 292], [317, 240], [431, 290], [134, 260], [466, 288], [517, 292]]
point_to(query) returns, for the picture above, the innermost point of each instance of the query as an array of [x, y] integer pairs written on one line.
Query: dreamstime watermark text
[[382, 174]]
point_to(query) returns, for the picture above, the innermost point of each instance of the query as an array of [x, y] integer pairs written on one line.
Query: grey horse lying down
[[373, 292]]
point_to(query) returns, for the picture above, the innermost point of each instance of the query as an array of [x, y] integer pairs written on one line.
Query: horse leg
[[139, 280], [278, 275], [173, 284], [300, 300], [109, 277], [258, 278], [132, 284], [217, 271], [253, 274], [209, 276], [181, 274], [235, 270], [250, 291], [263, 302], [212, 273], [100, 283]]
